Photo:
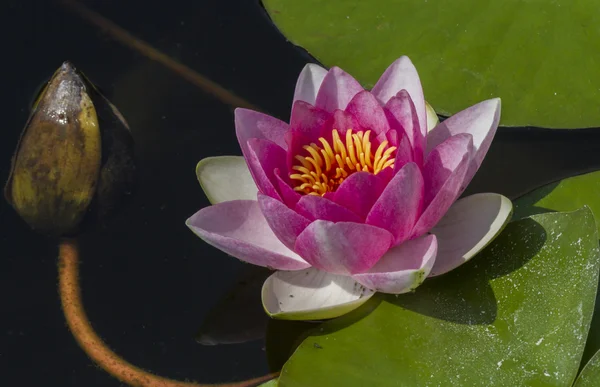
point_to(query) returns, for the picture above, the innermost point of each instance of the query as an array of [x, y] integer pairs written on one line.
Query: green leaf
[[590, 376], [567, 195], [518, 314], [270, 383], [540, 57]]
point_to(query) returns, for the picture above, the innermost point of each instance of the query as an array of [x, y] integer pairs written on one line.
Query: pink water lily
[[357, 194]]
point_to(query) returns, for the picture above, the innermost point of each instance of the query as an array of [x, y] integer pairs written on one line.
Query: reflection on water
[[238, 316], [148, 283]]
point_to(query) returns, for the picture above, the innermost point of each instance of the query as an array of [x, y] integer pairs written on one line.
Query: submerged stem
[[92, 344]]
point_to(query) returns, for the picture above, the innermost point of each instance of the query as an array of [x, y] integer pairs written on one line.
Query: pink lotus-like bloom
[[355, 195]]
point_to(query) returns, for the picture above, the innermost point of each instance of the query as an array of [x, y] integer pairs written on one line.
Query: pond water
[[148, 283]]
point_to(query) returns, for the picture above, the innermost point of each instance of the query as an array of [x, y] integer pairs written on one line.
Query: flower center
[[326, 166]]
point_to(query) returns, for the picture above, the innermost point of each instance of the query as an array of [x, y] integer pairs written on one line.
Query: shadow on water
[[238, 316]]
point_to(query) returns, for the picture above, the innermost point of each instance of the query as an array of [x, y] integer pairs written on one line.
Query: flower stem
[[126, 38], [92, 344]]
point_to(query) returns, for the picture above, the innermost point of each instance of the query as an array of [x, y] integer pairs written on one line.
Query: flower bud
[[74, 159]]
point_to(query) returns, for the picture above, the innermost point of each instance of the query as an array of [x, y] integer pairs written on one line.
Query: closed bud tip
[[60, 165]]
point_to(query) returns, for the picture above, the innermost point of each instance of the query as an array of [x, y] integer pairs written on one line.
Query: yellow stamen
[[327, 165], [315, 160], [350, 146], [367, 148], [303, 161], [357, 142], [384, 158]]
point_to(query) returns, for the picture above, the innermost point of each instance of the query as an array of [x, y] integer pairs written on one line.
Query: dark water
[[148, 283]]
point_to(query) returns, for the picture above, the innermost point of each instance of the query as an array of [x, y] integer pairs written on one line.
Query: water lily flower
[[355, 195]]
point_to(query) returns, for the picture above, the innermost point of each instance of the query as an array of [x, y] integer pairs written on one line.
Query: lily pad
[[590, 376], [567, 195], [517, 314], [540, 57], [270, 383]]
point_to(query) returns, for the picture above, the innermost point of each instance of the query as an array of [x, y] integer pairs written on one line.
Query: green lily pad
[[270, 383], [518, 314], [590, 376], [540, 57], [567, 195]]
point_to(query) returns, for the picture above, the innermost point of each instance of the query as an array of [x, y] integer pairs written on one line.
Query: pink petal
[[308, 120], [239, 229], [296, 141], [306, 124], [392, 137], [401, 109], [341, 121], [402, 75], [402, 268], [386, 174], [368, 112], [329, 195], [337, 90], [481, 121], [404, 154], [308, 83], [359, 192], [316, 207], [286, 192], [400, 204], [250, 124], [285, 222], [443, 160], [444, 192], [342, 248], [263, 158]]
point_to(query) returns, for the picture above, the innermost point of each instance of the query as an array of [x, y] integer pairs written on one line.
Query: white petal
[[403, 268], [225, 178], [309, 82], [469, 226], [311, 294], [432, 117]]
